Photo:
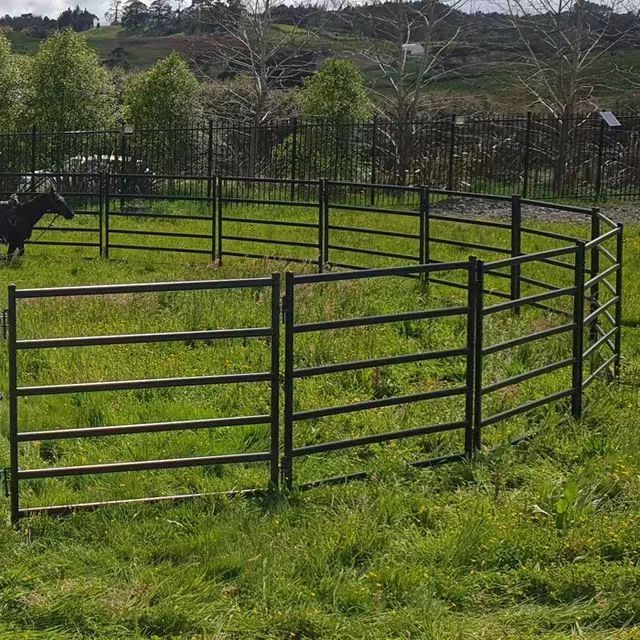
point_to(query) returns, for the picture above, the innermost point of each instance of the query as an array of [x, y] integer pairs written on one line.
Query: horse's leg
[[21, 250], [11, 251]]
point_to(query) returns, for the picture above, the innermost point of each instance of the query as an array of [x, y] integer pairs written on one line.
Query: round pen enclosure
[[419, 327]]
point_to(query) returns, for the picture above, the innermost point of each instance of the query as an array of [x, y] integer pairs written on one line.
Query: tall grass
[[539, 540]]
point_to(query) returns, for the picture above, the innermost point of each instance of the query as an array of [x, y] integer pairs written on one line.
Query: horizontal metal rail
[[149, 287], [469, 245], [63, 243], [378, 403], [607, 363], [149, 383], [281, 203], [354, 365], [549, 234], [285, 181], [260, 256], [364, 209], [537, 335], [432, 267], [68, 229], [600, 309], [143, 338], [149, 427], [376, 438], [527, 406], [542, 256], [159, 216], [470, 221], [115, 194], [284, 243], [158, 234], [275, 223], [521, 302], [364, 321], [600, 341], [471, 194], [377, 232], [601, 239], [156, 248], [528, 375], [67, 509], [373, 252], [363, 475], [146, 465], [601, 276], [605, 252], [557, 206]]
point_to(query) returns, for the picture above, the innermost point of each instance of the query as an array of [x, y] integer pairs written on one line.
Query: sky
[[50, 8]]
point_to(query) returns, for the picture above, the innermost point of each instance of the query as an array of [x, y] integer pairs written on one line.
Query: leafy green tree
[[135, 15], [68, 88], [10, 85], [336, 92], [164, 96]]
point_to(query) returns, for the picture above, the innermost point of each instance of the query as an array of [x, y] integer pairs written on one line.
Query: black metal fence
[[575, 281], [533, 155]]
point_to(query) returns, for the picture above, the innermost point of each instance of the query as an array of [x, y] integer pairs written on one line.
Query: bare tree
[[245, 39], [412, 45], [563, 42], [113, 13]]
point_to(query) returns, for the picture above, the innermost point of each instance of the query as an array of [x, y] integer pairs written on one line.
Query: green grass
[[538, 540]]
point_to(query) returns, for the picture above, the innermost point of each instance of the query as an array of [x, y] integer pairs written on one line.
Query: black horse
[[27, 217]]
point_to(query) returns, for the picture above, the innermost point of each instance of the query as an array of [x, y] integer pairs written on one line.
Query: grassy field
[[538, 540]]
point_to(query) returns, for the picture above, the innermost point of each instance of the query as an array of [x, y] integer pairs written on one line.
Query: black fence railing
[[573, 284], [533, 155]]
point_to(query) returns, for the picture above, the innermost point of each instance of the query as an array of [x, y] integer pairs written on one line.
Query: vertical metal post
[[322, 186], [472, 302], [374, 158], [212, 193], [294, 157], [13, 404], [594, 293], [107, 199], [424, 249], [101, 212], [600, 165], [527, 156], [210, 157], [34, 142], [288, 315], [325, 231], [578, 332], [478, 337], [478, 355], [275, 382], [220, 218], [452, 148], [618, 310], [123, 168], [516, 247]]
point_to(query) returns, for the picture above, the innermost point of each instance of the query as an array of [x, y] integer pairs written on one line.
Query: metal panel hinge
[[284, 307]]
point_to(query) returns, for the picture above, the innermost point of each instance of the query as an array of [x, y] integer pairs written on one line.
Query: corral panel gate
[[22, 434]]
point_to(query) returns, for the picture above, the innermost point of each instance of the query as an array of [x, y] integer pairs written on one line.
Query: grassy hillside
[[536, 541], [140, 51]]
